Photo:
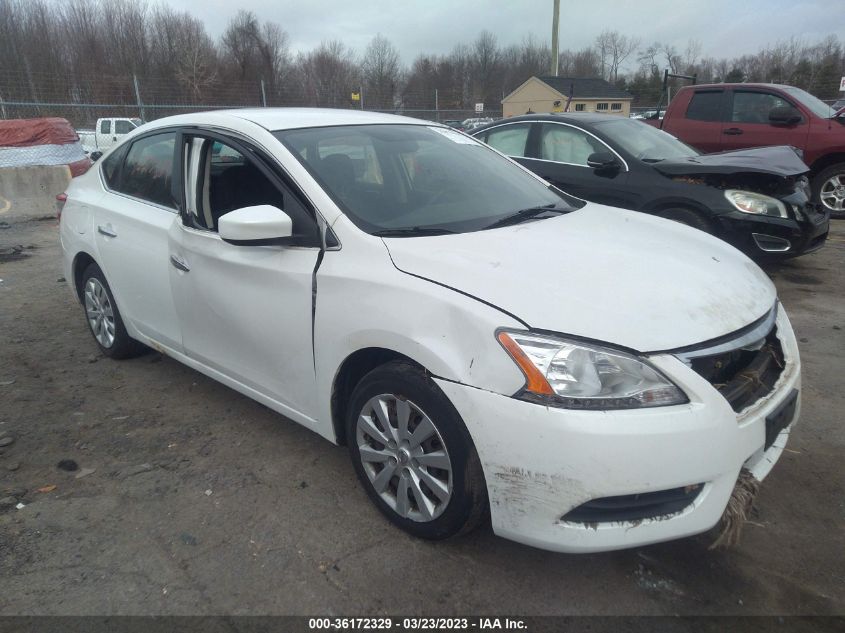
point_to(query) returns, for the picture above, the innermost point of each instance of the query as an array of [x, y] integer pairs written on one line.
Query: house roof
[[586, 87]]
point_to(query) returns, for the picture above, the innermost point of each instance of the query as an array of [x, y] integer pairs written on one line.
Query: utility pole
[[436, 106], [263, 95], [361, 93], [555, 45], [138, 98]]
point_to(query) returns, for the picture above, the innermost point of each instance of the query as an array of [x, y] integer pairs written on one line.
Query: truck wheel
[[688, 217], [829, 189]]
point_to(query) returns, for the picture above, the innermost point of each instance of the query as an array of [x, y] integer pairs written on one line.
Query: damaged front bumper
[[766, 238], [555, 477]]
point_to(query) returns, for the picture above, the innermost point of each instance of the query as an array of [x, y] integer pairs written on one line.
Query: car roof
[[738, 85], [567, 117], [275, 119]]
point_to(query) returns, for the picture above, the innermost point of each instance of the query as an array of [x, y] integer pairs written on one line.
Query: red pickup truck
[[722, 117]]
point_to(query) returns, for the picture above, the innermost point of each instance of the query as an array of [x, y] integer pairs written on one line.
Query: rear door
[[747, 121], [699, 123], [132, 221]]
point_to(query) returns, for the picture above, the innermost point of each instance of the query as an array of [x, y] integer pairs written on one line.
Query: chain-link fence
[[83, 101]]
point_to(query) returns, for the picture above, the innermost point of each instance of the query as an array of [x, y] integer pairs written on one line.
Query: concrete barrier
[[30, 192]]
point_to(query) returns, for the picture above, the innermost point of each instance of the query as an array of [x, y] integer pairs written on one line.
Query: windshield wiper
[[412, 231], [525, 214]]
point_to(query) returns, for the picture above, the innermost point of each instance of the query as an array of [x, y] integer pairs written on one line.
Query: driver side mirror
[[784, 115], [262, 225], [602, 160], [95, 155]]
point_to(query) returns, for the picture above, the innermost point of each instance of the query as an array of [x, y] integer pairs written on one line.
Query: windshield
[[417, 178], [814, 105], [643, 141]]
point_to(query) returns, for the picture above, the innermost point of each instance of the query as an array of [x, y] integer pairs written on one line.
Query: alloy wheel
[[832, 193], [404, 457], [99, 311]]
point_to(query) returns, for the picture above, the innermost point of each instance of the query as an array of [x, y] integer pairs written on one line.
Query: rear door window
[[509, 139], [112, 166], [705, 106], [148, 171]]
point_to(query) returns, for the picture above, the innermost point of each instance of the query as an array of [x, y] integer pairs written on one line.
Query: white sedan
[[487, 346]]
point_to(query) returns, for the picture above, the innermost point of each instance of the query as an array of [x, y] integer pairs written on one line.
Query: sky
[[725, 28]]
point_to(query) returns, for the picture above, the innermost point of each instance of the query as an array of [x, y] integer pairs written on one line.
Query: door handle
[[732, 131], [180, 263], [106, 230]]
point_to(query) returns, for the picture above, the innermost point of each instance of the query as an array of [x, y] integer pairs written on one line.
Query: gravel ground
[[189, 498]]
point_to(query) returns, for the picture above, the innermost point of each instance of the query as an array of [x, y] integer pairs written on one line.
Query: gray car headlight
[[756, 203], [577, 375]]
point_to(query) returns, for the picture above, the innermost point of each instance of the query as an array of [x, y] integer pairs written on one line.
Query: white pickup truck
[[107, 133]]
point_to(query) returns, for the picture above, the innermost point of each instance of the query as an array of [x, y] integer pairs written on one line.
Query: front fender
[[366, 302]]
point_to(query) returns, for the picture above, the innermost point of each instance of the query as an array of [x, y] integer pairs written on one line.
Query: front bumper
[[542, 462], [776, 238]]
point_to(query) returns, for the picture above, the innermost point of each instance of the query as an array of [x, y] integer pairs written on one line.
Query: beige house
[[550, 94]]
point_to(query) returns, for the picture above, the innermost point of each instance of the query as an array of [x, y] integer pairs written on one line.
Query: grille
[[744, 375]]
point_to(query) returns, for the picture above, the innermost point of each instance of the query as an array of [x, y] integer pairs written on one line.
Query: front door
[[560, 156], [246, 311], [747, 123]]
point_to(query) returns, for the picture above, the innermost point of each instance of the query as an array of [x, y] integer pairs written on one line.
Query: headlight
[[578, 375], [756, 203]]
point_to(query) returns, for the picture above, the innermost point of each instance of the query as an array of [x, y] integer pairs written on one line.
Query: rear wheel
[[103, 317], [829, 189], [688, 217], [413, 454]]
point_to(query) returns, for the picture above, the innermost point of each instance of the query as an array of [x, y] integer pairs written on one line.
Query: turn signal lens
[[535, 382]]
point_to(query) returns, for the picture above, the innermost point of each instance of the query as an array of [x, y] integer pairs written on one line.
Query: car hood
[[777, 161], [602, 273]]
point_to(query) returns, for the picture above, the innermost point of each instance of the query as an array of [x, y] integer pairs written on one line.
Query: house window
[[615, 106], [601, 106], [579, 107]]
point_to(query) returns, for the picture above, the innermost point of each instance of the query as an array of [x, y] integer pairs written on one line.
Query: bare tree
[[328, 75], [485, 67], [381, 71], [614, 49]]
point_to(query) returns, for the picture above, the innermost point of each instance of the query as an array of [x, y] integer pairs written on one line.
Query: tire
[[834, 196], [688, 217], [103, 317], [426, 494]]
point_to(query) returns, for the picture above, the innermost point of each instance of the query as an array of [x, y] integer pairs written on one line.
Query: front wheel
[[413, 454]]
